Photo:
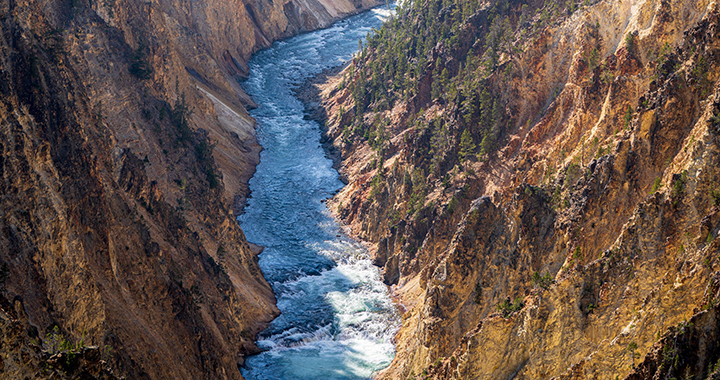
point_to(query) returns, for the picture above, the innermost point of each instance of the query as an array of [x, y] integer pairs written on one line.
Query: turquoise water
[[337, 318]]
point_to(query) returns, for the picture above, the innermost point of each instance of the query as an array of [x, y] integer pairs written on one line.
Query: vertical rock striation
[[571, 232], [124, 149]]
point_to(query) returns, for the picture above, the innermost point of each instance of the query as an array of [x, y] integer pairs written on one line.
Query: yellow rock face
[[620, 211]]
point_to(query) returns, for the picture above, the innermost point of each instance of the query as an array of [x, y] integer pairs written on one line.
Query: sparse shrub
[[715, 195], [506, 308], [203, 150], [55, 342], [678, 188], [630, 42], [632, 350], [139, 65], [452, 204], [543, 281], [628, 116], [593, 59], [577, 255], [478, 293], [656, 186], [180, 118], [377, 184]]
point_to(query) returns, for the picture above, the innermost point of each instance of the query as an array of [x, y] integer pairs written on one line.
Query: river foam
[[337, 318]]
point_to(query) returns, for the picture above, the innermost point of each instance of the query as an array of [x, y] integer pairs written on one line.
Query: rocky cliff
[[541, 183], [125, 150]]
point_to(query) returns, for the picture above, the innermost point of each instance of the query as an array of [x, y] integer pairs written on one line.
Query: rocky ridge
[[125, 154], [582, 243]]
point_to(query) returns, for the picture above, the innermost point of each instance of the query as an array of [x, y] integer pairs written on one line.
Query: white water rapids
[[337, 318]]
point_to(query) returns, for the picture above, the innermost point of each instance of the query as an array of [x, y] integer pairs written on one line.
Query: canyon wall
[[125, 154], [541, 185]]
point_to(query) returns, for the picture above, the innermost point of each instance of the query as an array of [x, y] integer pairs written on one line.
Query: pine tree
[[467, 145], [468, 106]]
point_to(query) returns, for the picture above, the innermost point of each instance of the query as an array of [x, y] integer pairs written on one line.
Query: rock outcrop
[[125, 150], [572, 231], [23, 357]]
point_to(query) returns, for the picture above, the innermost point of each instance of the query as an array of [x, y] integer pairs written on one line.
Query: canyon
[[126, 149], [540, 182]]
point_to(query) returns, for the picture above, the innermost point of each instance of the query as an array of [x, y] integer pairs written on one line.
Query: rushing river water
[[337, 318]]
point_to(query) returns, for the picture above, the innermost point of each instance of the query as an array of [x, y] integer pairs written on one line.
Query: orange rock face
[[581, 245]]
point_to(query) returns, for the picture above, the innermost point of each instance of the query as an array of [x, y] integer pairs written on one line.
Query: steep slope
[[125, 147], [23, 357], [541, 184]]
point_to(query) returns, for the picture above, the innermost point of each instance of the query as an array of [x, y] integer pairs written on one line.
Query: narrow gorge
[[337, 320], [532, 189]]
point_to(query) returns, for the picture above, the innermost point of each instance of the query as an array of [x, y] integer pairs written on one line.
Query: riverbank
[[553, 214], [337, 319], [309, 93]]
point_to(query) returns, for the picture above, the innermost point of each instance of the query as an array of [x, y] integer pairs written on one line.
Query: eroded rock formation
[[125, 149], [573, 232]]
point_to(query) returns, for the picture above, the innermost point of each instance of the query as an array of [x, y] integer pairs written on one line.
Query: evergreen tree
[[467, 145]]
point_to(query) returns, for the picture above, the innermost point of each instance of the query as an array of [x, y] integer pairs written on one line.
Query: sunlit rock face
[[573, 232], [125, 151]]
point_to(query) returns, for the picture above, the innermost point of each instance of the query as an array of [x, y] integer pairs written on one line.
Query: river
[[337, 318]]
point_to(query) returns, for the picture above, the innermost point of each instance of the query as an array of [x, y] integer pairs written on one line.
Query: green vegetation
[[714, 369], [467, 146], [628, 116], [418, 192], [543, 281], [506, 308], [377, 184], [662, 58], [180, 119], [715, 119], [690, 143], [593, 59], [715, 195], [478, 294], [446, 52], [630, 42], [452, 204], [182, 183], [656, 186], [700, 73], [670, 357], [447, 62], [203, 151], [607, 76], [632, 350], [56, 343], [577, 255], [572, 173], [678, 187], [139, 65]]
